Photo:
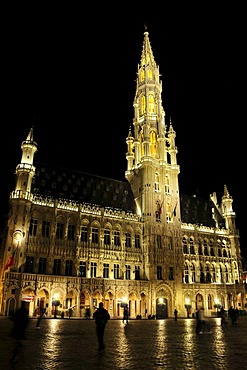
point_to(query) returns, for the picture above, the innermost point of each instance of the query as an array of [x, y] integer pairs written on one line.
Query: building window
[[93, 269], [213, 274], [42, 265], [170, 274], [95, 235], [137, 241], [117, 241], [137, 273], [193, 273], [68, 268], [107, 237], [84, 234], [210, 304], [56, 266], [159, 243], [60, 230], [205, 243], [226, 274], [221, 274], [33, 227], [106, 270], [83, 269], [46, 229], [127, 272], [128, 240], [185, 246], [200, 248], [186, 273], [208, 275], [192, 248], [71, 232], [202, 276], [29, 264], [116, 271], [159, 272], [167, 184]]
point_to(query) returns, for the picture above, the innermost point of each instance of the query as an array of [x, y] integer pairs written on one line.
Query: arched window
[[202, 276], [142, 74], [153, 141], [192, 247], [156, 182], [208, 275], [200, 247], [186, 273], [193, 273], [167, 184], [205, 243], [226, 274], [210, 302], [213, 274], [185, 245], [211, 246], [143, 105], [151, 104]]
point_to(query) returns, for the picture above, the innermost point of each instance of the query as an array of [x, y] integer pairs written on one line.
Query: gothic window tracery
[[151, 104], [153, 143]]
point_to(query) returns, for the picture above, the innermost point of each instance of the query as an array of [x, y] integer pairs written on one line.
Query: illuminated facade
[[78, 239]]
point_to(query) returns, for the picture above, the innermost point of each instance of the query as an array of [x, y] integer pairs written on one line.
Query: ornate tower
[[21, 200], [152, 168]]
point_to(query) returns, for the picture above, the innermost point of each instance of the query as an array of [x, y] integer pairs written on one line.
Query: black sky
[[70, 74]]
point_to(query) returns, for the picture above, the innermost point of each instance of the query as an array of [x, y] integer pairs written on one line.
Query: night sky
[[71, 74]]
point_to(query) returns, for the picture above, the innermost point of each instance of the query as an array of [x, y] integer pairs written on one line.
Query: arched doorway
[[161, 308]]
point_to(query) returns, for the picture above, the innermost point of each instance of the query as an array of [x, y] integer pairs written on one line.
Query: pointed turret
[[227, 210], [25, 170]]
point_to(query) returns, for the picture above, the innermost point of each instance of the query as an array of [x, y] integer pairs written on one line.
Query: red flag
[[11, 261]]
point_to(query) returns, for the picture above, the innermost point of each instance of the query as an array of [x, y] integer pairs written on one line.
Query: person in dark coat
[[126, 315], [101, 317], [20, 320]]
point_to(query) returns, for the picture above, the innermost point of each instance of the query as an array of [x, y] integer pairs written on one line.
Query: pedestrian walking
[[41, 315], [201, 322], [200, 319], [176, 314], [126, 315], [232, 315], [101, 317], [20, 320], [223, 321]]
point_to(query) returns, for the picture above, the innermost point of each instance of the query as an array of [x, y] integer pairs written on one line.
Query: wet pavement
[[71, 344]]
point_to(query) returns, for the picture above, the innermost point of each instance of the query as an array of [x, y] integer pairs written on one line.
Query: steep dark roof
[[81, 187], [199, 211]]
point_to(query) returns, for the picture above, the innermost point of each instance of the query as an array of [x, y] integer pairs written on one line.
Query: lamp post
[[18, 236], [187, 306], [217, 305], [55, 303]]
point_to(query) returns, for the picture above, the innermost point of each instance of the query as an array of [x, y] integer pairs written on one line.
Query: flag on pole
[[11, 260]]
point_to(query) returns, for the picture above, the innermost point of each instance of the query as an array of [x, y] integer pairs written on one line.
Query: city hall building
[[74, 239]]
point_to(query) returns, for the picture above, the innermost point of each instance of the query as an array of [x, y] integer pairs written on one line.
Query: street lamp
[[55, 303], [18, 236], [217, 305], [187, 306]]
